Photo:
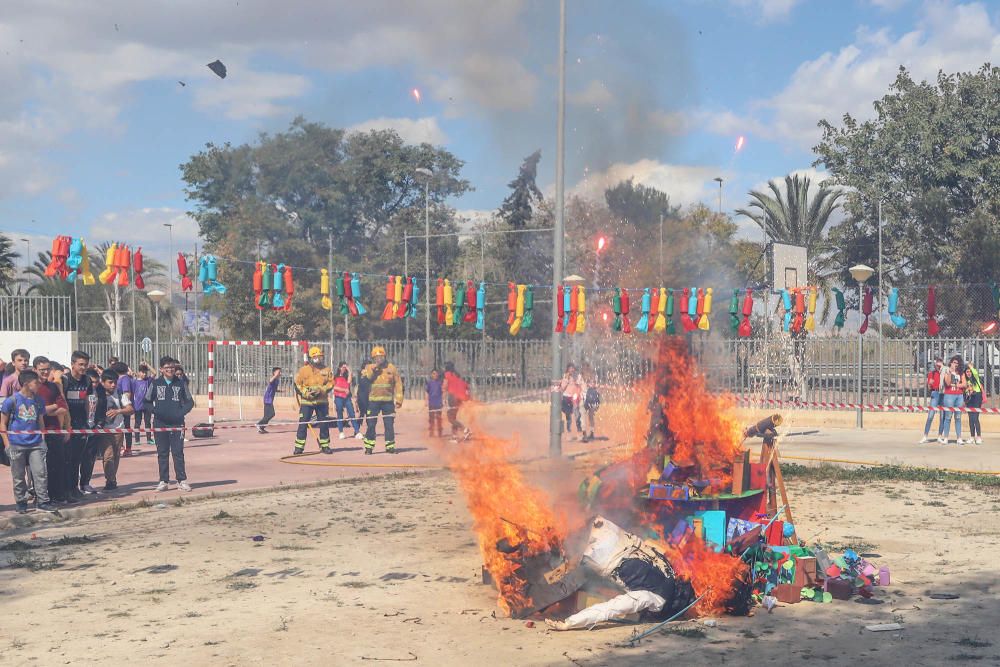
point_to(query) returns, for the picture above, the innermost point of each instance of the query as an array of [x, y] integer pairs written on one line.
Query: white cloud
[[146, 227], [766, 11], [888, 5], [251, 95], [686, 184], [949, 37], [595, 94], [413, 131]]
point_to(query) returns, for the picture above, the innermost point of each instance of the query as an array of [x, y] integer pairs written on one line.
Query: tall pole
[[555, 417], [661, 247], [406, 272], [720, 196], [156, 307], [427, 257], [193, 363], [881, 381], [329, 272], [170, 267], [861, 413]]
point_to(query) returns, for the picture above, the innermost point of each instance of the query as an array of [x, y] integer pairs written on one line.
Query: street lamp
[[427, 175], [861, 273], [719, 180], [170, 259], [156, 296]]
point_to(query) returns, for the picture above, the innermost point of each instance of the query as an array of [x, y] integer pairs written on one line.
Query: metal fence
[[819, 369], [37, 313]]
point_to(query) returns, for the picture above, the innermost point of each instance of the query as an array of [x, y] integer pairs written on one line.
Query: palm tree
[[7, 264], [797, 218], [792, 216]]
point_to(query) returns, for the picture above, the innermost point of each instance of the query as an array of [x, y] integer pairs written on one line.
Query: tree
[[7, 263], [519, 206], [931, 156], [292, 192], [793, 216]]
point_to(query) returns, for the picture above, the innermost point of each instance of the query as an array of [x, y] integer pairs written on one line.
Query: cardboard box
[[805, 571], [840, 589], [714, 523], [787, 593], [758, 476], [741, 473], [669, 492]]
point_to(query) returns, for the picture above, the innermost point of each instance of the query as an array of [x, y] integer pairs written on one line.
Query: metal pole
[[131, 290], [482, 277], [720, 196], [768, 286], [406, 272], [881, 380], [156, 326], [661, 247], [427, 256], [861, 418], [555, 417], [329, 272], [197, 321], [260, 313], [239, 381]]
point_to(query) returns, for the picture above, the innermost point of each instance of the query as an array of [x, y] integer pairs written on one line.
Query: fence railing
[[819, 369], [37, 313]]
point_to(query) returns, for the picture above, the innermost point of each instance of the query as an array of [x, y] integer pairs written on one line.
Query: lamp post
[[718, 179], [427, 174], [156, 296], [861, 273], [170, 270], [555, 398]]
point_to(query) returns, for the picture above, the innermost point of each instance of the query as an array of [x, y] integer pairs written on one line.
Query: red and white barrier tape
[[871, 407]]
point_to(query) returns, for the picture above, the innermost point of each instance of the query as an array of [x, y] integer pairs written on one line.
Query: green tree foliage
[[294, 191], [8, 257], [931, 155]]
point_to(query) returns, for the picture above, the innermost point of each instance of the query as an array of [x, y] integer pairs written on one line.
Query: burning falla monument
[[648, 522]]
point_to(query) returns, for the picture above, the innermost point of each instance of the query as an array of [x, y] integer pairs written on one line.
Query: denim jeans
[[935, 403], [952, 401], [342, 403]]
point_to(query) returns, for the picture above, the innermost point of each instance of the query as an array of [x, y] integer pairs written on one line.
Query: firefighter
[[386, 396], [313, 384]]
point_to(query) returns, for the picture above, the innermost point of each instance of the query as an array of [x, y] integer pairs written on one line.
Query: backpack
[[593, 399]]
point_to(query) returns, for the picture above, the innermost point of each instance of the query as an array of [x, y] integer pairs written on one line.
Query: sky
[[103, 101]]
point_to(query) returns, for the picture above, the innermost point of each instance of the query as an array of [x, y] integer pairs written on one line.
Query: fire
[[739, 143], [508, 512], [416, 95], [711, 574]]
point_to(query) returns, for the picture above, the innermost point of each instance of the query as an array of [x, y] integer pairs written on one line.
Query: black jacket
[[170, 402]]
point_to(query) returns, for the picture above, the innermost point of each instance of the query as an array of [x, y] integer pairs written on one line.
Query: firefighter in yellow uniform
[[386, 396], [313, 384]]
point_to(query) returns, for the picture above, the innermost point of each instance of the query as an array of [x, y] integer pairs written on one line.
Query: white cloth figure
[[616, 608]]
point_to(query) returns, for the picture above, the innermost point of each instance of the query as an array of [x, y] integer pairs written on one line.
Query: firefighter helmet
[[378, 350], [314, 352]]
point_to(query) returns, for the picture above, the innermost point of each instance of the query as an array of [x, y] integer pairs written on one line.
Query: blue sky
[[94, 123]]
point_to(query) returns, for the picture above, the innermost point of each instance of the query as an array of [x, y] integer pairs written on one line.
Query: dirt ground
[[386, 569]]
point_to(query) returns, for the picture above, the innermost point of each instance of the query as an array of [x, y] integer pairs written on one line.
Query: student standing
[[170, 402], [975, 392], [56, 415], [953, 390], [117, 408], [143, 414], [435, 403], [342, 400], [77, 391], [269, 391], [11, 384], [933, 385], [24, 411]]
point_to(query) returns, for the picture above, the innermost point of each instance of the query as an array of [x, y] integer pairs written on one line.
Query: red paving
[[240, 458]]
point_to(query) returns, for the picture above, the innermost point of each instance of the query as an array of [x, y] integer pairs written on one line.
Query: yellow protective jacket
[[313, 384], [387, 385]]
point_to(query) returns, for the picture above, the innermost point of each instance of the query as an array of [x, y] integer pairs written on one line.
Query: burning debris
[[681, 520]]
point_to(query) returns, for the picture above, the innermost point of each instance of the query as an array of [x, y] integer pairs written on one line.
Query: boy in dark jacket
[[170, 401]]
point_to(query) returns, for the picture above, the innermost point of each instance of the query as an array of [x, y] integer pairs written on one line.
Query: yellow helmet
[[378, 350], [314, 352]]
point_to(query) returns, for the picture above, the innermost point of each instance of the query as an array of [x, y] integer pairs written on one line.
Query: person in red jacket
[[456, 392]]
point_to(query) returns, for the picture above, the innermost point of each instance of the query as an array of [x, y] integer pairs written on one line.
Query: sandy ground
[[370, 570]]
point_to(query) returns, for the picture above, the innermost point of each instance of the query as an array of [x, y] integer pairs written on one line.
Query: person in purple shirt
[[269, 392], [18, 361], [143, 412], [435, 403], [123, 387]]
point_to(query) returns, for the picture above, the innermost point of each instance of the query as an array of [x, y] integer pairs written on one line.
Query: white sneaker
[[183, 485], [960, 442], [342, 435], [923, 440], [979, 441], [358, 436], [162, 486], [88, 490], [943, 441]]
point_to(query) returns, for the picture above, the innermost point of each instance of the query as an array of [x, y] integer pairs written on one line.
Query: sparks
[[416, 95], [739, 143]]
